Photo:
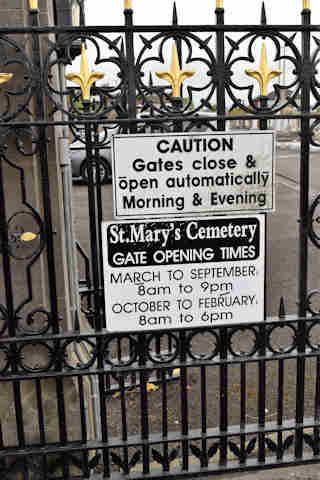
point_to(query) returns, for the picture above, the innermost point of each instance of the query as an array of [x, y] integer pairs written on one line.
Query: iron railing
[[240, 399]]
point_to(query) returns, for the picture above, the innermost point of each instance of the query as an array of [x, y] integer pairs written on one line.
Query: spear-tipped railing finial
[[174, 14], [175, 76], [219, 3], [282, 309], [263, 14], [306, 4]]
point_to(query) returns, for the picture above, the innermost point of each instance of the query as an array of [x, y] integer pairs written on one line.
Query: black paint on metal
[[122, 362]]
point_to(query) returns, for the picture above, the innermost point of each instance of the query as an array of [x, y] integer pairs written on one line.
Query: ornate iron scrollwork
[[314, 222]]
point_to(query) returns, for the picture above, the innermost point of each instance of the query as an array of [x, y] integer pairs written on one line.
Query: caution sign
[[187, 174], [184, 272]]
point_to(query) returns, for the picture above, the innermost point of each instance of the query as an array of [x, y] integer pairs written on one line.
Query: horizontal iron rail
[[156, 120], [132, 369], [157, 439], [271, 321], [161, 29]]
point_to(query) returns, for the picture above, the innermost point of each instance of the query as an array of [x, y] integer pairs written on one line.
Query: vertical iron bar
[[1, 437], [19, 412], [220, 49], [178, 41], [317, 407], [84, 435], [10, 304], [40, 412], [96, 282], [144, 405], [158, 352], [204, 443], [103, 412], [166, 467], [99, 221], [303, 231], [83, 421], [304, 167], [4, 248], [184, 402], [243, 408], [119, 349], [223, 396], [93, 221], [131, 94], [221, 125], [262, 395], [262, 350], [43, 157], [177, 104], [44, 466], [263, 124], [133, 376], [280, 407], [124, 423]]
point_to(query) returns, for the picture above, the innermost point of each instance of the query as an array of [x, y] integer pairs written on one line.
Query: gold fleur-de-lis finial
[[176, 76], [128, 4], [264, 75], [306, 4], [85, 79], [33, 4], [5, 77]]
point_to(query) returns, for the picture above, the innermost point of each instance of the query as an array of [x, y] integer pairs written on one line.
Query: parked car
[[101, 159]]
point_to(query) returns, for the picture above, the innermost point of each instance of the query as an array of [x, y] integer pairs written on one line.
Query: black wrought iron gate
[[170, 403]]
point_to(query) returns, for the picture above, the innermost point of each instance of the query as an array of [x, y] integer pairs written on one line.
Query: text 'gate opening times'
[[179, 273]]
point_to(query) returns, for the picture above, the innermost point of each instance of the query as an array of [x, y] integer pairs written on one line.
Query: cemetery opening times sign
[[187, 173], [184, 272]]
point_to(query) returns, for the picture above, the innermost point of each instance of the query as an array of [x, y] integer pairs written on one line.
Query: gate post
[[58, 398]]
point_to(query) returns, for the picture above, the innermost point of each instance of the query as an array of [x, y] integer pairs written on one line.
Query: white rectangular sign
[[187, 173], [180, 273]]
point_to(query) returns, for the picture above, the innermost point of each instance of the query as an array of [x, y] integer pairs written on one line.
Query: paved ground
[[293, 473]]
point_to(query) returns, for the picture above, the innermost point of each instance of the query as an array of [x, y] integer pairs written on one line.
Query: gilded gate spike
[[306, 4], [128, 4], [85, 79], [264, 75], [219, 3], [5, 77], [33, 4], [176, 76]]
